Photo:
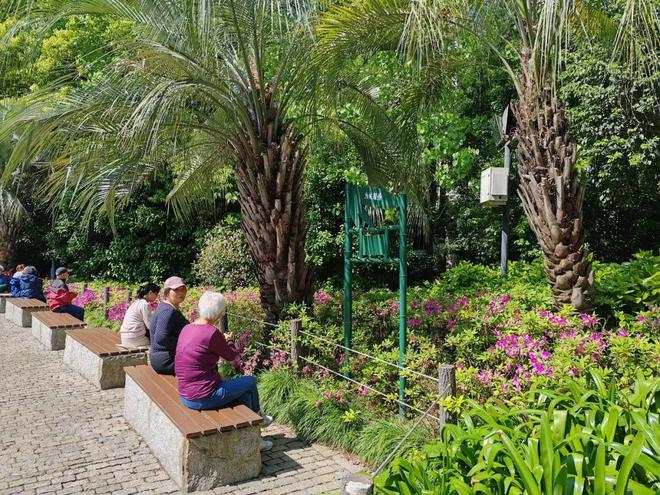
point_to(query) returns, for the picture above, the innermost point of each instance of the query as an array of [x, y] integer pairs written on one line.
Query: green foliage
[[578, 440], [318, 415], [150, 245], [628, 287], [225, 260], [614, 120]]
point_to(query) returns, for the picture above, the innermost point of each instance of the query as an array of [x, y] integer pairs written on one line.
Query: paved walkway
[[60, 435]]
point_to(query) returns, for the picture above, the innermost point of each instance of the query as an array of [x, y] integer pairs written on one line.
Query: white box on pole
[[494, 186]]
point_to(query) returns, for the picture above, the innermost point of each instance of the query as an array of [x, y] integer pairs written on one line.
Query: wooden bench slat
[[169, 386], [109, 340], [25, 303], [249, 417], [190, 425], [101, 341], [57, 320], [89, 337]]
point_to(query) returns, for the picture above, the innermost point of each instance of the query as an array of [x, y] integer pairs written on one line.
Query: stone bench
[[200, 450], [50, 328], [94, 353], [19, 310], [3, 301]]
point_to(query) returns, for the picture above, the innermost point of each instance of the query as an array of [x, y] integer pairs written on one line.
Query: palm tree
[[198, 86], [12, 211], [549, 183]]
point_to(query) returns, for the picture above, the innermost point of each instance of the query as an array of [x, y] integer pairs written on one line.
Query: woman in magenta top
[[199, 349]]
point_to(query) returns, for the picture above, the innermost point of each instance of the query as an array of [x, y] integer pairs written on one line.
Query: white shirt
[[136, 319]]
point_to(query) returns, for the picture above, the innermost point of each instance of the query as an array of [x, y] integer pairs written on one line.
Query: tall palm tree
[[550, 187], [198, 86]]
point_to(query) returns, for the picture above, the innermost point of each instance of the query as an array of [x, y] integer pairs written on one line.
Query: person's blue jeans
[[241, 390], [76, 311]]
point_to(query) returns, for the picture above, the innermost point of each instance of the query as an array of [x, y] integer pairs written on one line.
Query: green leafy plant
[[580, 440]]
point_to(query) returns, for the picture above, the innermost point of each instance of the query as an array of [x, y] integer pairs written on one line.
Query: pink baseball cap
[[174, 283]]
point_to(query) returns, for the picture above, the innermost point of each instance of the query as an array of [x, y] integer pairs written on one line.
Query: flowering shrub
[[502, 335]]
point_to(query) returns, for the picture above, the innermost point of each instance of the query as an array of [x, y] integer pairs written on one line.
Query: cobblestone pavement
[[60, 435]]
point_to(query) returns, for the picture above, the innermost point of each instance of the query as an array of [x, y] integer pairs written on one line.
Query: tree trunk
[[552, 192], [270, 196], [7, 250]]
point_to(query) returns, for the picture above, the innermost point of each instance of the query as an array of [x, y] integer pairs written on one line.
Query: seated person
[[5, 278], [134, 330], [19, 271], [166, 325], [200, 347], [60, 298], [27, 285]]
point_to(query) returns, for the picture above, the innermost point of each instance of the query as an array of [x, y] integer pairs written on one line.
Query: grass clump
[[299, 402]]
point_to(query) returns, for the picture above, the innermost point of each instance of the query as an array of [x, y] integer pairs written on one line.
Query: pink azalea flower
[[622, 332], [414, 322], [588, 320], [322, 297]]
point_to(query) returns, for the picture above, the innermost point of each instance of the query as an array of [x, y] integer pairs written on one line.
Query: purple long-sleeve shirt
[[198, 351]]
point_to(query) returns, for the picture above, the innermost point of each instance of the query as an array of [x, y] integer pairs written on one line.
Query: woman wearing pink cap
[[166, 325]]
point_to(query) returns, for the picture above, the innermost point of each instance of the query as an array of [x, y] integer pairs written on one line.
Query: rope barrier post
[[446, 388], [296, 326], [84, 287], [106, 300]]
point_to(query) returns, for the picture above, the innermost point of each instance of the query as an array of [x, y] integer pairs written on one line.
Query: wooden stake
[[446, 388]]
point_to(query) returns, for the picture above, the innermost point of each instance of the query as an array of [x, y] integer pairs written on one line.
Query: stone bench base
[[3, 303], [200, 463], [103, 371], [53, 339], [20, 316]]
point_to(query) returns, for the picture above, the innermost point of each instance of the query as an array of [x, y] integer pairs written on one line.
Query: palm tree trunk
[[552, 192], [270, 195], [7, 250]]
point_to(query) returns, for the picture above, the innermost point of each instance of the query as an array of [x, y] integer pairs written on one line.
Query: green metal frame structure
[[374, 247]]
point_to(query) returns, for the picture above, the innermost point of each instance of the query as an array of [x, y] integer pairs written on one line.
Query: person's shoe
[[266, 445], [267, 420]]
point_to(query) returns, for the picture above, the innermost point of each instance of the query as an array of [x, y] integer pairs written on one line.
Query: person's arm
[[221, 347], [145, 313]]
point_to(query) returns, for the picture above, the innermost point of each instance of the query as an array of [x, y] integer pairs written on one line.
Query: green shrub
[[225, 260], [628, 287], [589, 439], [379, 438]]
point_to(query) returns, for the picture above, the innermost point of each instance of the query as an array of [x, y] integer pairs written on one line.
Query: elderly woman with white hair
[[198, 351]]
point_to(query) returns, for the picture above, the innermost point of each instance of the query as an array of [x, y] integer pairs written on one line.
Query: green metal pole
[[348, 296], [403, 286]]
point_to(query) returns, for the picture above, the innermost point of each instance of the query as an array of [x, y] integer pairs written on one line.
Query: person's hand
[[229, 336]]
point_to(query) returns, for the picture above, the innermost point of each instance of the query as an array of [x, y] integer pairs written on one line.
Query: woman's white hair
[[212, 306]]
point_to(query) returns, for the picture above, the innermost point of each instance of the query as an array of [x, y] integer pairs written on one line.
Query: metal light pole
[[506, 125], [504, 248]]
